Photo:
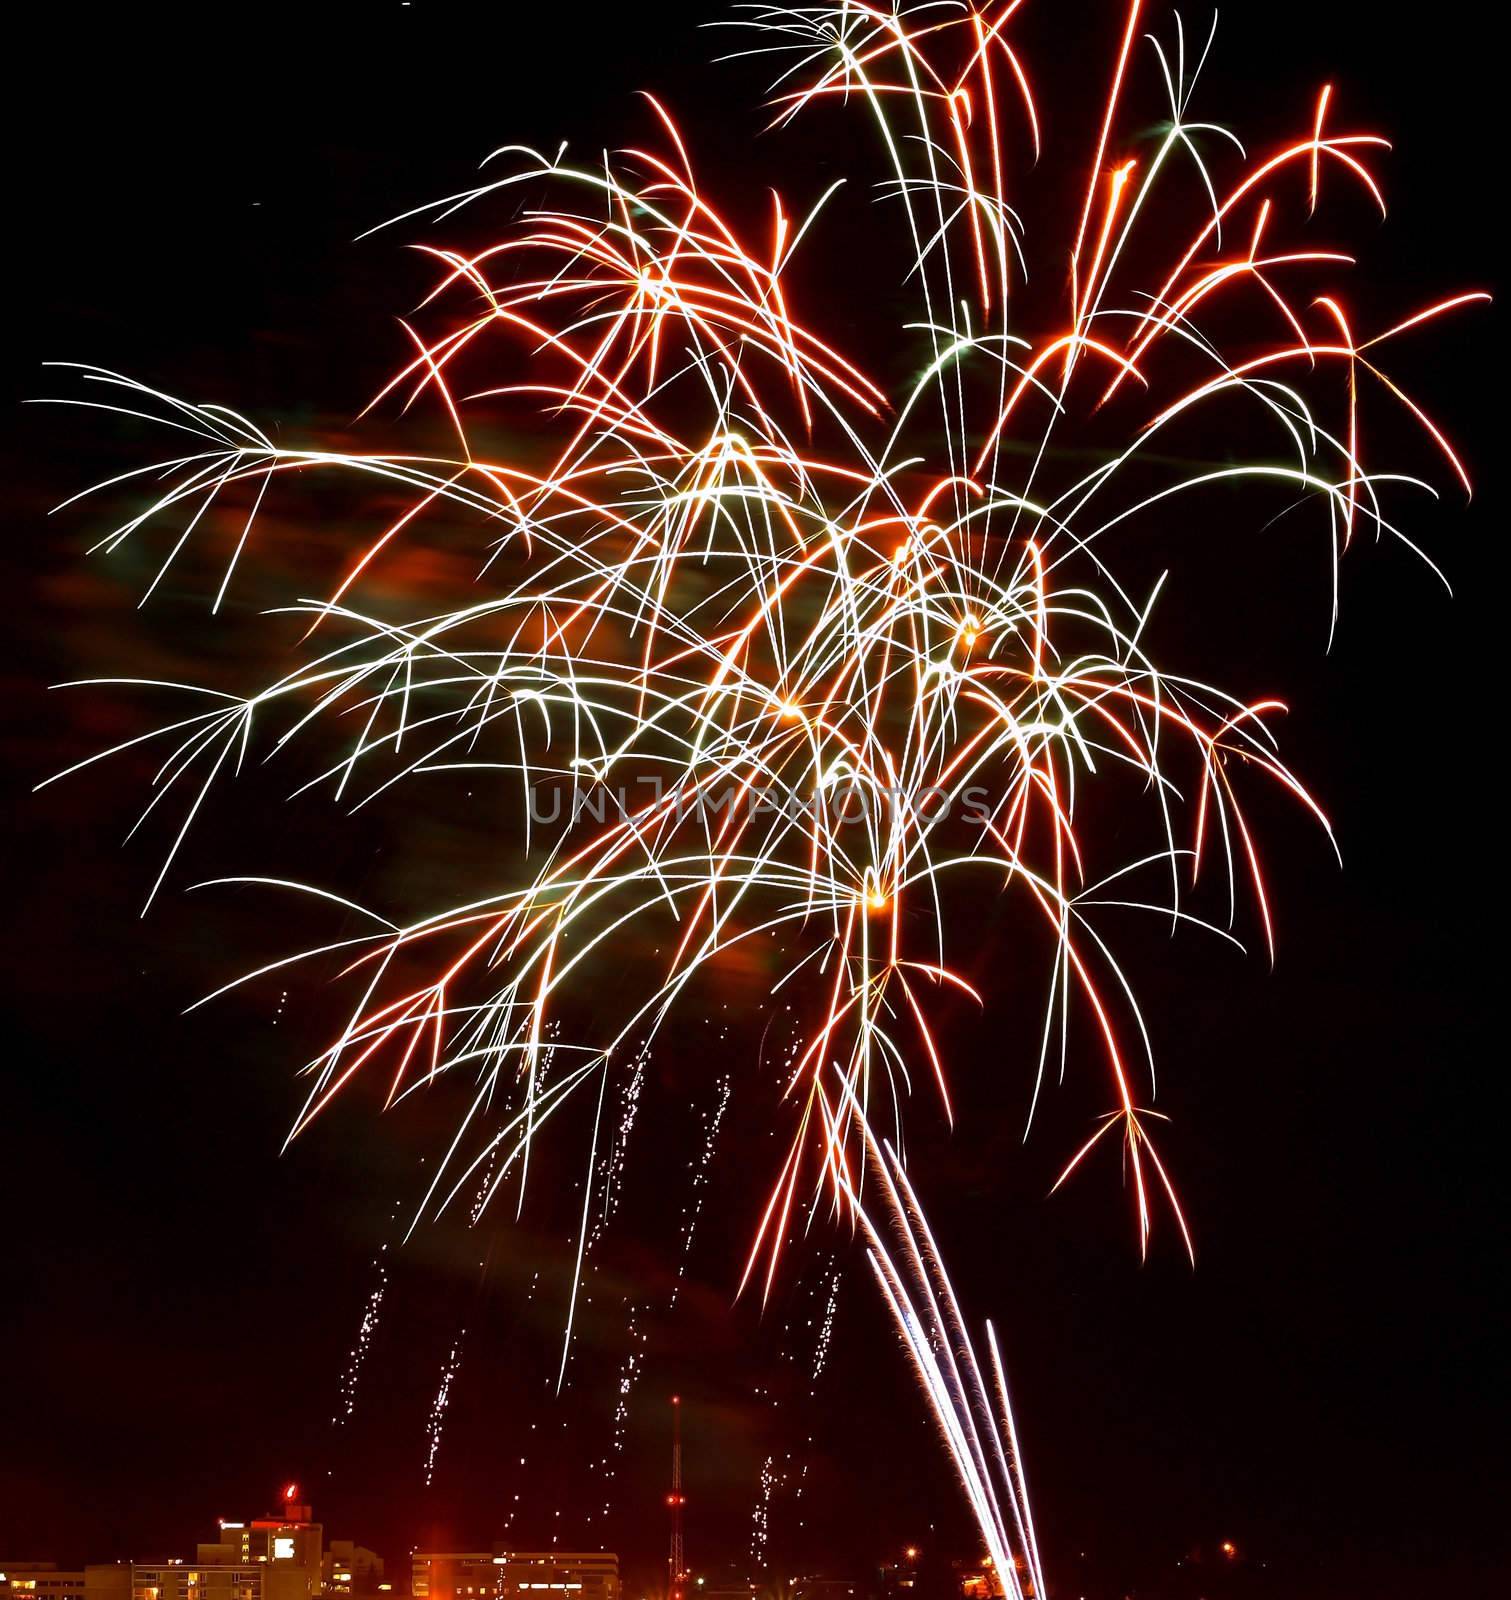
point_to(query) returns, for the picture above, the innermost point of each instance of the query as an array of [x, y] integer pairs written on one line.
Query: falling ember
[[437, 1418], [760, 1516], [806, 664], [634, 1361], [611, 1176], [346, 1403], [825, 1332], [694, 1206]]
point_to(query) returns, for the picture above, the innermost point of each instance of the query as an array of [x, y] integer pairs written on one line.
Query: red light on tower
[[291, 1493]]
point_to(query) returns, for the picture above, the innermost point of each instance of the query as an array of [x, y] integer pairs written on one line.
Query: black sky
[[177, 1300]]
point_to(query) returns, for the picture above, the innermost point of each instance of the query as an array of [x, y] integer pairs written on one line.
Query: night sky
[[179, 1299]]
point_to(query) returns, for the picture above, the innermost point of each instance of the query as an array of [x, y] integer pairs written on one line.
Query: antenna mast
[[676, 1561]]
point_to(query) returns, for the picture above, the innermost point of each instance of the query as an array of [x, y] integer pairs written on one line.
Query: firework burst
[[777, 657]]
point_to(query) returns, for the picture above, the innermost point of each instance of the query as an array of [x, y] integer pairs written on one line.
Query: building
[[39, 1580], [283, 1551], [504, 1574], [277, 1557], [980, 1580], [281, 1556], [43, 1580], [349, 1568], [182, 1580]]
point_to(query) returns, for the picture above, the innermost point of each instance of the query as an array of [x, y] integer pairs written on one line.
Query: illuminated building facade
[[284, 1550], [44, 1580], [179, 1580], [501, 1574], [278, 1557], [39, 1580]]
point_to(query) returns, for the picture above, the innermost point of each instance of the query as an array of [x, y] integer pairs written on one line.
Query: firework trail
[[785, 665], [611, 1172], [629, 1374], [346, 1403], [693, 1209], [760, 1516], [821, 1349], [438, 1407], [825, 1332], [816, 1318], [974, 1412]]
